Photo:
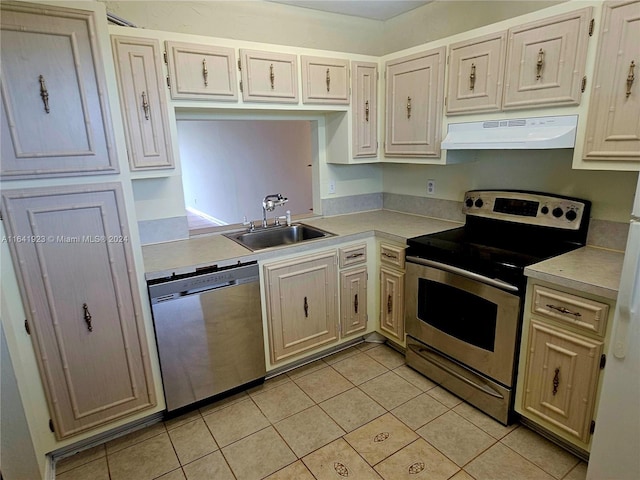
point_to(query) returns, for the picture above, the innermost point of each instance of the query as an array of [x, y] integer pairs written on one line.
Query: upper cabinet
[[415, 94], [325, 80], [476, 71], [269, 77], [613, 126], [365, 109], [546, 61], [55, 114], [138, 63], [202, 72]]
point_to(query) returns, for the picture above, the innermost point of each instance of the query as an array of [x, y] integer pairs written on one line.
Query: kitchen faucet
[[269, 203]]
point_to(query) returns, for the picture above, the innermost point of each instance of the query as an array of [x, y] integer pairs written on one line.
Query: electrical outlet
[[332, 186], [431, 187]]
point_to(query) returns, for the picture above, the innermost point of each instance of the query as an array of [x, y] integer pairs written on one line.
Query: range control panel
[[526, 207]]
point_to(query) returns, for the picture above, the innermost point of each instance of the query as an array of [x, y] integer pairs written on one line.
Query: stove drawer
[[584, 314]]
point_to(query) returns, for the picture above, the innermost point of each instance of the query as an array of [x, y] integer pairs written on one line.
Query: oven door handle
[[464, 273]]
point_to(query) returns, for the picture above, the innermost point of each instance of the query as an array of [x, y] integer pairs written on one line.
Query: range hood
[[513, 134]]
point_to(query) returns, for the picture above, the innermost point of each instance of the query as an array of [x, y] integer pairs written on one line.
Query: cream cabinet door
[[353, 300], [55, 115], [325, 80], [613, 125], [561, 379], [365, 109], [142, 99], [269, 77], [77, 278], [202, 72], [415, 94], [476, 71], [302, 304], [546, 61], [392, 302]]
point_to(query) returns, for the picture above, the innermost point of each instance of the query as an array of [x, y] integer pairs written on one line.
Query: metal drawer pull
[[564, 310], [328, 80], [87, 317], [272, 76], [355, 303], [388, 255], [389, 304], [556, 381], [145, 105], [355, 255], [205, 72], [45, 94], [539, 64], [306, 308], [366, 111], [472, 77], [408, 107], [630, 78]]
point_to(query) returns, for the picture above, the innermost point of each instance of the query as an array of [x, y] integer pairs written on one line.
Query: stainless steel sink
[[275, 236]]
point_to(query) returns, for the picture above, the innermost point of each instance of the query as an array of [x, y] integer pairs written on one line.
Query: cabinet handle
[[408, 107], [306, 308], [272, 76], [355, 255], [355, 303], [145, 105], [389, 304], [564, 310], [87, 317], [556, 381], [388, 255], [328, 80], [539, 64], [472, 77], [45, 94], [205, 72], [630, 78], [366, 111]]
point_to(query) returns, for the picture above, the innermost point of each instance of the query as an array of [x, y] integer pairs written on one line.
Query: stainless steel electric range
[[465, 290]]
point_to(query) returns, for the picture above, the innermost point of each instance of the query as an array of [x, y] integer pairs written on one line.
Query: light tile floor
[[360, 413]]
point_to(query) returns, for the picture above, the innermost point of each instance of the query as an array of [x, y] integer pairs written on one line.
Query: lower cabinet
[[392, 291], [72, 255], [302, 304], [560, 362]]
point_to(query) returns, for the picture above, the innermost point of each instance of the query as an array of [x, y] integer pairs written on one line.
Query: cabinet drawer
[[582, 313], [353, 255], [392, 255]]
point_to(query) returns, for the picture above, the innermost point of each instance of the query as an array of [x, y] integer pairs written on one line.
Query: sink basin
[[275, 236]]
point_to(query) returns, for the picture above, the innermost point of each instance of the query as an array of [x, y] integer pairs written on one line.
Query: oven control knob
[[469, 202], [544, 210], [571, 215], [557, 212], [479, 203]]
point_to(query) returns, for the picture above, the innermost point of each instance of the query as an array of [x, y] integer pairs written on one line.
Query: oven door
[[463, 317]]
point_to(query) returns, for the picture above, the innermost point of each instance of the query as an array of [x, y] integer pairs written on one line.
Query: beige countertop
[[184, 256], [588, 269]]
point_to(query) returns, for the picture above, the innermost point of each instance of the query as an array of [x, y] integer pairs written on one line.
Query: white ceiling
[[373, 9]]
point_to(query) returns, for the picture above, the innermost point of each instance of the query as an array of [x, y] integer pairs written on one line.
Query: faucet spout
[[269, 203]]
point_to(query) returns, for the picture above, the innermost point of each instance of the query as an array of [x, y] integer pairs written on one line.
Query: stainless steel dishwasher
[[209, 332]]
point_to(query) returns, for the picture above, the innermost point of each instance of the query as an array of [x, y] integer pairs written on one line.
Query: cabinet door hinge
[[592, 24], [445, 101], [166, 58], [168, 82], [448, 56], [592, 428], [241, 86], [583, 87], [51, 427], [26, 326], [239, 64], [603, 361]]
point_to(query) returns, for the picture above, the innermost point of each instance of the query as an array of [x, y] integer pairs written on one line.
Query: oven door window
[[458, 313]]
